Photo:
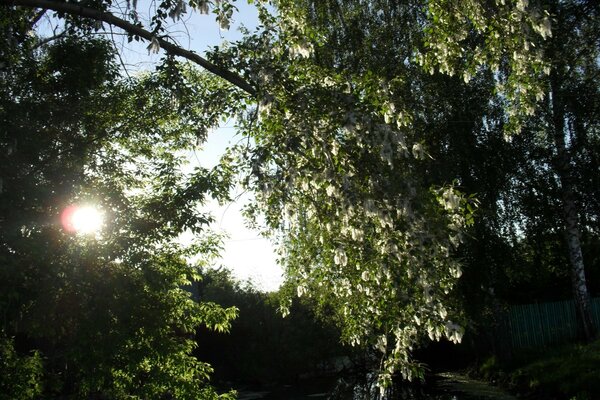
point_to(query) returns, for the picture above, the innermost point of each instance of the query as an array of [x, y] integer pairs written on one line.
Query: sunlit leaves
[[505, 36], [216, 317], [339, 150], [21, 374], [336, 169], [358, 230]]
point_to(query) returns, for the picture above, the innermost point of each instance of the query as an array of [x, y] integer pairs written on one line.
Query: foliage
[[20, 377], [516, 251], [262, 346], [566, 372], [364, 159], [105, 315], [506, 37], [336, 164], [357, 147]]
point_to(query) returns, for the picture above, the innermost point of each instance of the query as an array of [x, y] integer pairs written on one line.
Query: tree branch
[[48, 39], [109, 18], [37, 18]]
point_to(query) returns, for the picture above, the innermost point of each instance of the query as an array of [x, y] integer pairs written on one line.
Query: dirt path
[[472, 388]]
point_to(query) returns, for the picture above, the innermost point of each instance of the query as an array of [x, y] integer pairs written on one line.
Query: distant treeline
[[263, 346]]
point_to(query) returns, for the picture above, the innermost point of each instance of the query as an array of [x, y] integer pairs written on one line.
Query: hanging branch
[[109, 18]]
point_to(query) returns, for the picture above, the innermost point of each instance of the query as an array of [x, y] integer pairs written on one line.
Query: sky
[[193, 31], [249, 256]]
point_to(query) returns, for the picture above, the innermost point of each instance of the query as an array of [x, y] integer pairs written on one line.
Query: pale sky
[[248, 255]]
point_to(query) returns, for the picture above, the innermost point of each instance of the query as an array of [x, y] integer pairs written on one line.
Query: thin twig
[[135, 30], [49, 39], [125, 70]]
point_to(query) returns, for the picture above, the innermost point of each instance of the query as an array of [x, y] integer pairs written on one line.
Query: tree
[[345, 128], [542, 170], [340, 164], [573, 61], [103, 315], [262, 347], [580, 53], [340, 153]]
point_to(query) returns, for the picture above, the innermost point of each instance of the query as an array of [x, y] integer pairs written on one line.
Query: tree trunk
[[570, 216]]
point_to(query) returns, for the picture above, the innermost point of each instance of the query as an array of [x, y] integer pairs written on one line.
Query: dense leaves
[[104, 314], [361, 150], [262, 347], [336, 161]]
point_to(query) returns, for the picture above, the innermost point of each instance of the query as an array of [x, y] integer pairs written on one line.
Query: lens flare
[[82, 219]]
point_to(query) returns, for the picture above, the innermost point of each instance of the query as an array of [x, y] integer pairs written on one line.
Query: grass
[[570, 372]]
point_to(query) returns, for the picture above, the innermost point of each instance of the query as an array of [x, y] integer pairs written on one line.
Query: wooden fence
[[541, 324]]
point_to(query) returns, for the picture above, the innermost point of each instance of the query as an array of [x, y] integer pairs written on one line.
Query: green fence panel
[[596, 312], [541, 324]]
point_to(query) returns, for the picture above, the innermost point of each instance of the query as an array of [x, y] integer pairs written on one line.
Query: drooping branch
[[132, 29]]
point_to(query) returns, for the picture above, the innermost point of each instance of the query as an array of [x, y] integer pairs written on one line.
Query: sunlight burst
[[82, 219]]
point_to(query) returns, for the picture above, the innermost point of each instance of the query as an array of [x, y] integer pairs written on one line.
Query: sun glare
[[82, 219]]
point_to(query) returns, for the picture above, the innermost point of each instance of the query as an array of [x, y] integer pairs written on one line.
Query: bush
[[20, 375]]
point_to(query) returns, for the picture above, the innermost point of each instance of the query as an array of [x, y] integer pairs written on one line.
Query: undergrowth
[[570, 372]]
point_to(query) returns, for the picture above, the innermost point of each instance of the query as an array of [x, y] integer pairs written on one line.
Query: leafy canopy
[[103, 315], [338, 154]]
